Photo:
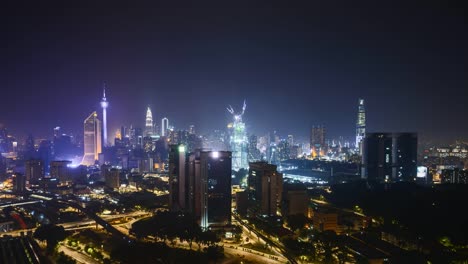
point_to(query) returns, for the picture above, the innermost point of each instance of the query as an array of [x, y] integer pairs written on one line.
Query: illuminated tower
[[360, 124], [104, 105], [164, 126], [149, 122], [238, 141], [92, 139]]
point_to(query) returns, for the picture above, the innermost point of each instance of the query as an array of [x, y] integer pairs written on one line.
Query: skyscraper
[[178, 185], [265, 186], [215, 193], [104, 105], [164, 126], [360, 124], [238, 141], [149, 122], [389, 157], [92, 139], [200, 183]]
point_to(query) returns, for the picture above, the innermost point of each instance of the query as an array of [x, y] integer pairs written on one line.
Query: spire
[[104, 86]]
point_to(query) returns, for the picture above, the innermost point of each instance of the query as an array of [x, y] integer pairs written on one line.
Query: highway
[[78, 256], [279, 249]]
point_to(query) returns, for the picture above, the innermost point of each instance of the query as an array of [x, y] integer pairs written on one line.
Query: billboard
[[422, 172]]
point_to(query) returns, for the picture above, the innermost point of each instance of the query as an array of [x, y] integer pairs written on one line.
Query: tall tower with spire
[[104, 105], [149, 122], [360, 124]]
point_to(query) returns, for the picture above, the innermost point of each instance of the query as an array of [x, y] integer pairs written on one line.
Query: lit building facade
[[238, 140], [360, 125], [104, 105], [164, 126], [92, 139], [149, 122]]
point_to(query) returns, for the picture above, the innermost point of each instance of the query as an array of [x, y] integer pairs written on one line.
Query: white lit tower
[[149, 122], [238, 140], [104, 105], [164, 126], [360, 124]]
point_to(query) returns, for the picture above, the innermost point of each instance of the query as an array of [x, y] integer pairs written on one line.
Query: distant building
[[164, 126], [19, 182], [149, 123], [92, 140], [390, 157], [59, 170], [238, 140], [265, 186], [113, 178], [104, 105], [360, 125], [34, 170], [454, 176], [317, 141]]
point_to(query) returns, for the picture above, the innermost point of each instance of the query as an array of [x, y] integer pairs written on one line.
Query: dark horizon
[[296, 67]]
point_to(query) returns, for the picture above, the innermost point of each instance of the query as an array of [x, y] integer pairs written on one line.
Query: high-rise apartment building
[[92, 139]]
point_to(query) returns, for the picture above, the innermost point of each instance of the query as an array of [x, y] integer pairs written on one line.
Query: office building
[[265, 186], [360, 125], [389, 157], [92, 140], [178, 184], [200, 183], [295, 200], [215, 176]]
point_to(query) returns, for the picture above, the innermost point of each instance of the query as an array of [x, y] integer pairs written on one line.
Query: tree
[[52, 234], [297, 221]]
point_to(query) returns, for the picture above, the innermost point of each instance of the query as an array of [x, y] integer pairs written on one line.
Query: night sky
[[296, 66]]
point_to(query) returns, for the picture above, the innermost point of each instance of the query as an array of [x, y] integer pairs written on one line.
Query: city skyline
[[299, 67]]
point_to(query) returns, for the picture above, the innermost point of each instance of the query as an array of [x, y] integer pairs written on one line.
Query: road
[[79, 257], [276, 247]]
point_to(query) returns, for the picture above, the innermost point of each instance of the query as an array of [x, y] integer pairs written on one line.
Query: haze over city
[[296, 66]]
